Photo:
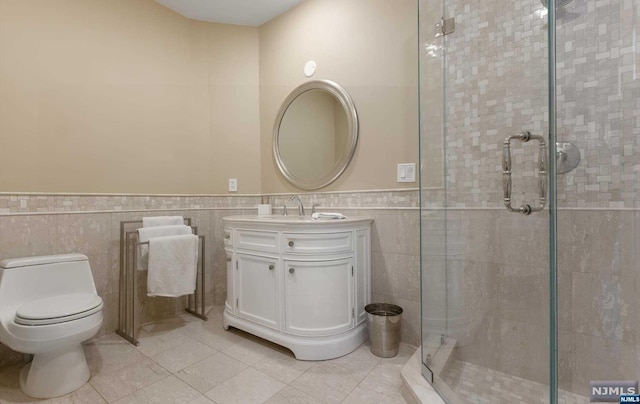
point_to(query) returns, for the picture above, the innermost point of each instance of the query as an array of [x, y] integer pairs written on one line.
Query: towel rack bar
[[129, 251]]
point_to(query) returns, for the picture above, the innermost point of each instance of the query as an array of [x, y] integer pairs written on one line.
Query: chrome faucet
[[300, 206]]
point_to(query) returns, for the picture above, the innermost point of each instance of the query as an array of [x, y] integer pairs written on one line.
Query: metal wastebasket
[[383, 322]]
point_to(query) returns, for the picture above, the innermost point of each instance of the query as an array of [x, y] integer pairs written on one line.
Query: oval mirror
[[315, 134]]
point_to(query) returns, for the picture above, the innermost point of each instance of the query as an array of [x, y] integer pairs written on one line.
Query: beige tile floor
[[186, 360]]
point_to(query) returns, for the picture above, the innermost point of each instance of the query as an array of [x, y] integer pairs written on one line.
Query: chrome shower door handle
[[507, 185]]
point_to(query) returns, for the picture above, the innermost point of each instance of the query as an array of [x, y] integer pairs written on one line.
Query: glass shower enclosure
[[529, 264]]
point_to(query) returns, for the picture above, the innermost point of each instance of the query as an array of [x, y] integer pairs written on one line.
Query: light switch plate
[[407, 172], [233, 185]]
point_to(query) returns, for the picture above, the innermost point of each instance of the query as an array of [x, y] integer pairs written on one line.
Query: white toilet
[[48, 307]]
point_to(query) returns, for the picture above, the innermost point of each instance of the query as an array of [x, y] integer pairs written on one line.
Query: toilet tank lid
[[41, 260]]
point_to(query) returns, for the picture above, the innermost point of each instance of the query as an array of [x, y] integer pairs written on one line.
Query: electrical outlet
[[407, 172], [233, 185]]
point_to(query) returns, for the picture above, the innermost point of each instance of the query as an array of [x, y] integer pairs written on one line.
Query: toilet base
[[56, 373]]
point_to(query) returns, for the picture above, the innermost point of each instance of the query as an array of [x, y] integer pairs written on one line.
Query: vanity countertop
[[295, 219]]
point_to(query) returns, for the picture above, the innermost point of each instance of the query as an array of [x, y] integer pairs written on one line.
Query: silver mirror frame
[[352, 123]]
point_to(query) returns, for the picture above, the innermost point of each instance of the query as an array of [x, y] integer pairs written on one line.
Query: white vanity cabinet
[[298, 282]]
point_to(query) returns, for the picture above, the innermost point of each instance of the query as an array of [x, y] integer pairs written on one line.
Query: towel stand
[[129, 247]]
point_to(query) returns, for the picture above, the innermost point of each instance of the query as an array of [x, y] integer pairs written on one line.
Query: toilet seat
[[58, 309]]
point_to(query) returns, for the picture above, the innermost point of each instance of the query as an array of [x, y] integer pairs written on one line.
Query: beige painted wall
[[128, 96], [368, 47], [125, 96]]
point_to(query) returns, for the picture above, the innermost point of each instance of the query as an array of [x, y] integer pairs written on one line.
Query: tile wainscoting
[[43, 224]]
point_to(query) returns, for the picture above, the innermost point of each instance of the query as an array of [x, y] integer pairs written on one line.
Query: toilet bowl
[[48, 307]]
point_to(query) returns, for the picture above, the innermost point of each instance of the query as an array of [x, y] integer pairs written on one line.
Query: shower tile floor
[[186, 360], [477, 384]]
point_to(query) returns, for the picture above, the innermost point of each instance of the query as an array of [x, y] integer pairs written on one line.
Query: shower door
[[485, 269], [536, 307]]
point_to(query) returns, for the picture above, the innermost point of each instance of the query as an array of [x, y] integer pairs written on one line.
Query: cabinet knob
[[227, 236], [228, 259], [292, 270], [271, 267], [290, 243]]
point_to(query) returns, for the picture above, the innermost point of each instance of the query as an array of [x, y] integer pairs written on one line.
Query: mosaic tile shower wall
[[496, 85], [599, 98]]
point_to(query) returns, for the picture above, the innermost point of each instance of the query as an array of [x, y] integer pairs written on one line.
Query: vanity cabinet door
[[319, 297], [258, 289]]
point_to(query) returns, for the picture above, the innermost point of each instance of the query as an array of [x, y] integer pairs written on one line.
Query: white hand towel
[[147, 233], [162, 221], [173, 265], [328, 215]]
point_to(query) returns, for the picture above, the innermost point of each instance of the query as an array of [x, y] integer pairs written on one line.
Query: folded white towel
[[162, 221], [147, 233], [173, 265], [328, 215]]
